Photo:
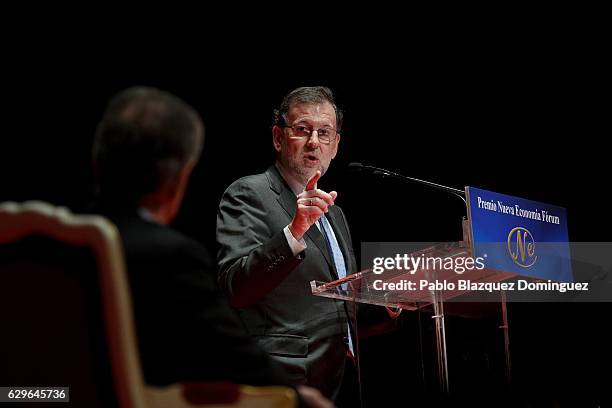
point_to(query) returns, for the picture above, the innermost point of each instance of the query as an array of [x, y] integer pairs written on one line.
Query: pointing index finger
[[312, 183]]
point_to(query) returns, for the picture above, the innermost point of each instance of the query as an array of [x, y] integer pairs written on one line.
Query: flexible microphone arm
[[387, 173]]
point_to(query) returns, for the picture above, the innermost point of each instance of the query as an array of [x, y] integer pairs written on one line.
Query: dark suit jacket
[[271, 287], [186, 329]]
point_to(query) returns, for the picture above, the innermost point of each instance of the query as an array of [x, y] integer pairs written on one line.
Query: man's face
[[303, 156]]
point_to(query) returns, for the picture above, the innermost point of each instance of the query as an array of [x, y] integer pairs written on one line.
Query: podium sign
[[520, 236]]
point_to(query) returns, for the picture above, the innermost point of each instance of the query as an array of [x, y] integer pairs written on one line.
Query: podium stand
[[505, 228], [382, 289]]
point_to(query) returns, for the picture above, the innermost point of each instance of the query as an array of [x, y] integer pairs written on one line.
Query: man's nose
[[313, 139]]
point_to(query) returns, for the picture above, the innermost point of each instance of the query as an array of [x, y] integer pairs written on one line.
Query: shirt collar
[[146, 215]]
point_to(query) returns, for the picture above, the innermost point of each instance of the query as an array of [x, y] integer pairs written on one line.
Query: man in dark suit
[[145, 148], [277, 232]]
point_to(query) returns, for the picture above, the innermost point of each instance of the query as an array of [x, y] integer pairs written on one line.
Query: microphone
[[386, 173]]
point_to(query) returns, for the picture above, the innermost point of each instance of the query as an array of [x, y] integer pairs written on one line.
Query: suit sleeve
[[253, 260], [190, 332]]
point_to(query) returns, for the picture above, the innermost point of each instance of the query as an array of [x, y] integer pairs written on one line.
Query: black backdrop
[[526, 124]]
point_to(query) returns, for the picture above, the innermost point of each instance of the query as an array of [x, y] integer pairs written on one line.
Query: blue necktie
[[336, 253]]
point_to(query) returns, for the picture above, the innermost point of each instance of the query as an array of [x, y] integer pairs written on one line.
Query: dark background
[[524, 121]]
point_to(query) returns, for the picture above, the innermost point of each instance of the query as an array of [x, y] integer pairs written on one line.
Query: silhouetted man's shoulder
[[144, 240]]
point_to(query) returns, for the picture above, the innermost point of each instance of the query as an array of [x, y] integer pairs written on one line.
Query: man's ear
[[182, 181], [173, 192], [277, 137], [336, 143], [169, 188]]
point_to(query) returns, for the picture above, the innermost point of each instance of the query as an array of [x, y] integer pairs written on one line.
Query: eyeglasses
[[326, 134]]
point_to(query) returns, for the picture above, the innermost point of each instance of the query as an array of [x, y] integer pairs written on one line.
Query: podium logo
[[521, 247]]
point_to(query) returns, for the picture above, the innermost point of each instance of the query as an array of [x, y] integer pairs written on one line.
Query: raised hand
[[311, 204]]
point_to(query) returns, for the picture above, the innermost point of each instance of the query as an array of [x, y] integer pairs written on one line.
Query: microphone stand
[[437, 298], [387, 173]]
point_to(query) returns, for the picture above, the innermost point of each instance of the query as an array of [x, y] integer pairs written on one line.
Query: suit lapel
[[287, 201], [315, 235]]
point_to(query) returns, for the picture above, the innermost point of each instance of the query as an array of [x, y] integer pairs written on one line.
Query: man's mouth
[[311, 158]]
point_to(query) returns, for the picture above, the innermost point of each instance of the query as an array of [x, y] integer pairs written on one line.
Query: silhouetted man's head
[[145, 148]]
